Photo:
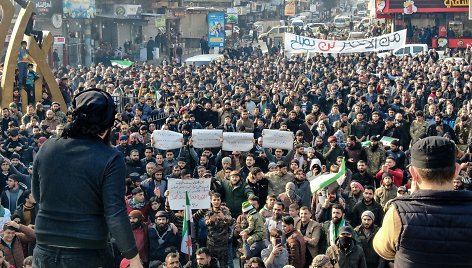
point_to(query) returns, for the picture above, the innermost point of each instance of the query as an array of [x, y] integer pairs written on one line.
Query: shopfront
[[445, 22]]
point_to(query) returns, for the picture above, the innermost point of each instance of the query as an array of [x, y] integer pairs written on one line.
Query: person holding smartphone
[[275, 255]]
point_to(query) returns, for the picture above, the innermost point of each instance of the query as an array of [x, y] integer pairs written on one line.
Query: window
[[400, 51], [417, 49]]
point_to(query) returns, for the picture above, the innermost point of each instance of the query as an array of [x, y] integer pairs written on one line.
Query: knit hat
[[137, 214], [319, 261], [369, 214], [358, 185], [346, 230], [226, 159], [433, 152], [246, 206], [386, 174]]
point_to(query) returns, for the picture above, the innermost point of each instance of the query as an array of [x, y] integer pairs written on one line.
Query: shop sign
[[422, 6]]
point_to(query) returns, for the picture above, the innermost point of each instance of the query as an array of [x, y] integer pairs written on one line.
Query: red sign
[[59, 40], [442, 30], [425, 6], [452, 42]]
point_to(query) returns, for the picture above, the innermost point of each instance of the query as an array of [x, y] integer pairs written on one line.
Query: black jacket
[[435, 224], [79, 181]]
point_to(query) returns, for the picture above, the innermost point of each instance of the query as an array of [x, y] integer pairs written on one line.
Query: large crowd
[[340, 108]]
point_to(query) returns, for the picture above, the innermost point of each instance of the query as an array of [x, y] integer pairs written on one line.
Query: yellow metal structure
[[39, 56]]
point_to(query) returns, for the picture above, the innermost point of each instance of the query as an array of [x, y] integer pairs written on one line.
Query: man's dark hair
[[203, 250], [280, 204], [437, 175], [14, 177], [338, 206], [369, 187], [217, 195], [288, 220], [136, 191]]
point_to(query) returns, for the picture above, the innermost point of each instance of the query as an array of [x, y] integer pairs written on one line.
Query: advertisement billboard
[[79, 9], [216, 29]]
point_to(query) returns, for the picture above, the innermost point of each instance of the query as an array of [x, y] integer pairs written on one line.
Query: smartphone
[[278, 241]]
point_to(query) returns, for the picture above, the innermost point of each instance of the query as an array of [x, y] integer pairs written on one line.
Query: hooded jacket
[[353, 257]]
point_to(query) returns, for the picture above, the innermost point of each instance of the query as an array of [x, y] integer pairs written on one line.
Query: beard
[[136, 225], [161, 226], [336, 220]]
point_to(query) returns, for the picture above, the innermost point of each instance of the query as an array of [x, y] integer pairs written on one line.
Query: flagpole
[[188, 230]]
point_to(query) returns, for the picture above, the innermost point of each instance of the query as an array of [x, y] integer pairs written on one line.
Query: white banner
[[235, 141], [167, 140], [384, 42], [207, 138], [198, 193], [277, 139]]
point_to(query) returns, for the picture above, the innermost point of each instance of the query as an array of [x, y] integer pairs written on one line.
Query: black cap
[[433, 152], [134, 176], [95, 107], [346, 229]]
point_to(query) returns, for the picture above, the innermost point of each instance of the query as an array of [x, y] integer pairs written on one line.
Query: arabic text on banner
[[198, 193], [234, 141], [167, 140], [384, 42], [277, 139], [207, 138]]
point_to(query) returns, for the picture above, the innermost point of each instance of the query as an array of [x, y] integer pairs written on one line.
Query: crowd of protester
[[339, 108]]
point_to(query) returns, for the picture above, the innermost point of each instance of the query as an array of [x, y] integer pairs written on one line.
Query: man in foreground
[[75, 190], [415, 227]]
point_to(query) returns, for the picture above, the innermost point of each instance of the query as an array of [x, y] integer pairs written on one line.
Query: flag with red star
[[186, 245]]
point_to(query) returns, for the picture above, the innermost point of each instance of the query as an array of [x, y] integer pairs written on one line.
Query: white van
[[409, 49], [341, 22], [297, 22], [204, 59]]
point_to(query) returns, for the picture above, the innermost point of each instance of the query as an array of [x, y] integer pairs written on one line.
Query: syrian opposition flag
[[186, 245], [325, 180], [122, 63]]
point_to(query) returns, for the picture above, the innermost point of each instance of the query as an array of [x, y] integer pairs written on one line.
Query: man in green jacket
[[235, 192]]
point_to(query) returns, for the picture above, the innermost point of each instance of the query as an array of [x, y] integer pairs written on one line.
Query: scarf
[[334, 231], [135, 204]]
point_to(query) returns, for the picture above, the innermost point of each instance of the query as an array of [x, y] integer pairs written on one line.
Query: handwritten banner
[[207, 138], [277, 139], [167, 140], [234, 141], [384, 42], [198, 193]]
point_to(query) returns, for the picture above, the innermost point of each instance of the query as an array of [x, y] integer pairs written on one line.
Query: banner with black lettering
[[389, 41]]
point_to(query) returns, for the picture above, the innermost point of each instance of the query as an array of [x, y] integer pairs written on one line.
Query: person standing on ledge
[[426, 228], [79, 183]]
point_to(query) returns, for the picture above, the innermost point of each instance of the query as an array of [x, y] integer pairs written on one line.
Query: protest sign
[[207, 138], [167, 140], [277, 139], [234, 141], [198, 193], [389, 41]]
